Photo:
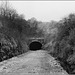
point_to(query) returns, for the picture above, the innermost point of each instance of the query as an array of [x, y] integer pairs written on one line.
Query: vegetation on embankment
[[14, 31], [64, 44]]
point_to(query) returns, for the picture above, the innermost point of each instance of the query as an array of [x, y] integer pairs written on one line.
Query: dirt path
[[32, 63]]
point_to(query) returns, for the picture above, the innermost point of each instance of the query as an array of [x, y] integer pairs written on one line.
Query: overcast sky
[[44, 10]]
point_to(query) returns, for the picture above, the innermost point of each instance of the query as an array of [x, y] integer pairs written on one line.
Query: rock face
[[32, 63]]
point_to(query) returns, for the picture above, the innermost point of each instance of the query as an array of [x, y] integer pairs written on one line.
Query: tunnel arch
[[35, 45]]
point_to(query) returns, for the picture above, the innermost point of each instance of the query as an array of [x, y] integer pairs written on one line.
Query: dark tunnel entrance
[[35, 46]]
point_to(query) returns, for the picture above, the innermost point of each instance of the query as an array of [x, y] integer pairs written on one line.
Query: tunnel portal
[[35, 45]]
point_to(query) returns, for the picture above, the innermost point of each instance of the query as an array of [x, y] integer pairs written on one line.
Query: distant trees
[[34, 30]]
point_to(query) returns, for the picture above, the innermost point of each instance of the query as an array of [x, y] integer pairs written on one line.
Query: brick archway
[[41, 40], [33, 39]]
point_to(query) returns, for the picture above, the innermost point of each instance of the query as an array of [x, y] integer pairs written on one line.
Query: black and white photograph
[[37, 37]]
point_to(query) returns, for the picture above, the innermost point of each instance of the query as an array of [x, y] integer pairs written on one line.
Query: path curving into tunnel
[[35, 45]]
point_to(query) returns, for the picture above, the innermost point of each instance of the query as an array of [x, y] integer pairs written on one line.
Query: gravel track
[[33, 63]]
